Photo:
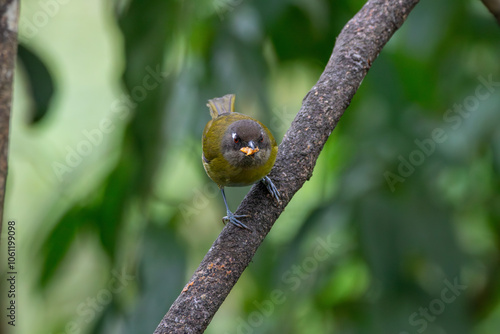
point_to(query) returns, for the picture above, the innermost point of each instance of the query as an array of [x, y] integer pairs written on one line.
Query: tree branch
[[357, 46], [9, 13], [494, 8]]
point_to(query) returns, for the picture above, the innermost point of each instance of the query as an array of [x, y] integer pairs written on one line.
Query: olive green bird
[[237, 151]]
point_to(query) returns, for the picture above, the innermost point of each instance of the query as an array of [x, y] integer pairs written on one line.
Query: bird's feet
[[233, 219], [271, 188]]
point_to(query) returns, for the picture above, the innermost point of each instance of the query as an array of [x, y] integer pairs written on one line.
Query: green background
[[114, 211]]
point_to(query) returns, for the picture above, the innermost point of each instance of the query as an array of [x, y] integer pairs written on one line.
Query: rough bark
[[9, 13], [357, 46]]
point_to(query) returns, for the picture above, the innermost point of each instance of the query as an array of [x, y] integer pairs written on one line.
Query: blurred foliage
[[353, 252], [40, 82]]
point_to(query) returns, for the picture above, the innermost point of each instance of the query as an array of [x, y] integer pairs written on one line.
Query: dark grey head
[[246, 144]]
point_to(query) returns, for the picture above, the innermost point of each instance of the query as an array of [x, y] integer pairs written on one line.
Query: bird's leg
[[271, 188], [231, 217]]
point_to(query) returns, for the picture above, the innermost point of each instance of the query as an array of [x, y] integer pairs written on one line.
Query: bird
[[238, 150]]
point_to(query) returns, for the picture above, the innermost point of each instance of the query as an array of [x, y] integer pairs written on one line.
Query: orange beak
[[249, 151]]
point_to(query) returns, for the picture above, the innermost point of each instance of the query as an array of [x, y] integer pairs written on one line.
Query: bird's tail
[[221, 105]]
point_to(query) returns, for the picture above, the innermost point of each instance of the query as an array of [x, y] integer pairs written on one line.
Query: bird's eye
[[261, 139], [236, 139]]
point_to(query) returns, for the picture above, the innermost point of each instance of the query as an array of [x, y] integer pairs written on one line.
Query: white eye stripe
[[236, 138]]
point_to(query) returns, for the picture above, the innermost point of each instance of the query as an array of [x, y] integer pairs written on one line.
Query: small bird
[[237, 151]]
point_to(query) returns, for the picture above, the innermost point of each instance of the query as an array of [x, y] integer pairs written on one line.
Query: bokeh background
[[396, 232]]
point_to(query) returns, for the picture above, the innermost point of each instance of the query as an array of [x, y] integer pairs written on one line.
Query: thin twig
[[9, 13]]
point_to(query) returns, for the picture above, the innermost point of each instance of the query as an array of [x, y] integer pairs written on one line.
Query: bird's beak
[[251, 149]]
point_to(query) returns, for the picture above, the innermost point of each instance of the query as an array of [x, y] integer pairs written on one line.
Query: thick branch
[[494, 7], [357, 46], [8, 49]]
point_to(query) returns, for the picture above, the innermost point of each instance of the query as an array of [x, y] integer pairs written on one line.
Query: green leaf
[[57, 244]]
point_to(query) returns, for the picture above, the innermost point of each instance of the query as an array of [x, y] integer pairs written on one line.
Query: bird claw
[[271, 188], [233, 219]]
